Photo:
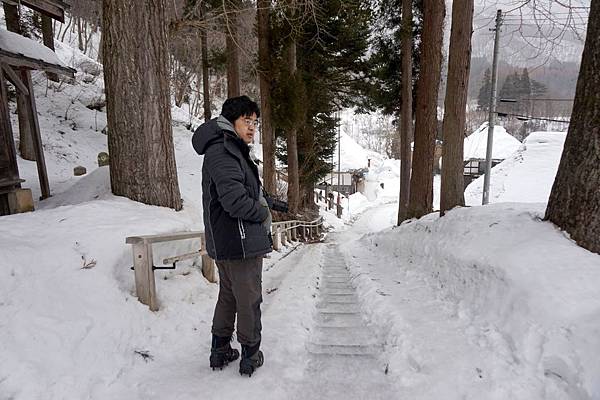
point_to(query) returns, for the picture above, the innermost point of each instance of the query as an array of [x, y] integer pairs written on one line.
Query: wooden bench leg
[[145, 287], [208, 264]]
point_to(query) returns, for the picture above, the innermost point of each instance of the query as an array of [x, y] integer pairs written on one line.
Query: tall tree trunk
[[205, 71], [455, 105], [79, 34], [421, 181], [48, 35], [292, 143], [140, 140], [62, 39], [233, 53], [26, 148], [264, 66], [574, 203], [406, 124]]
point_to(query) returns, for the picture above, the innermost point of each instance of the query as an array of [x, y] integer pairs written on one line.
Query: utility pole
[[339, 150], [492, 115]]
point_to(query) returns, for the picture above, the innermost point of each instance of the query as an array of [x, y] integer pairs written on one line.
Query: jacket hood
[[211, 132]]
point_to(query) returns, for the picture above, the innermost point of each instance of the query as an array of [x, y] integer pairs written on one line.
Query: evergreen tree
[[509, 89], [524, 92], [331, 72], [538, 89], [483, 99], [384, 86]]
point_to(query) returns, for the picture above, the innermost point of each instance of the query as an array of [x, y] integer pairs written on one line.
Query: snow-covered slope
[[526, 176], [485, 303]]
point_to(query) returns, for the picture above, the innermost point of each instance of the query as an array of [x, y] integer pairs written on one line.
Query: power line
[[527, 117]]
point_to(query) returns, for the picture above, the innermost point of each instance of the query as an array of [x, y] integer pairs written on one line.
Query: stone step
[[331, 308], [350, 350], [337, 285], [339, 299], [328, 291], [344, 336], [339, 321]]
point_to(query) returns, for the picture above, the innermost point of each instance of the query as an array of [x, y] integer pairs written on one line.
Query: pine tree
[[524, 92], [330, 75], [483, 99]]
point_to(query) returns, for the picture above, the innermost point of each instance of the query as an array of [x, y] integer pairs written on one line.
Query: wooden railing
[[143, 262], [284, 231]]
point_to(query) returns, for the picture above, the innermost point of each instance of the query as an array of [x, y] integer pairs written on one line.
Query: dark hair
[[236, 107]]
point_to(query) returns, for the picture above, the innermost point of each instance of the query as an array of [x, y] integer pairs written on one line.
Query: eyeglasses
[[251, 122]]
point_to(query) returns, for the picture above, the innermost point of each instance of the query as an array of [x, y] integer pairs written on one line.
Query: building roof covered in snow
[[475, 145], [19, 51]]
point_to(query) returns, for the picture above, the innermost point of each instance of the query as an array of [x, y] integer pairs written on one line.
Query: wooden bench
[[143, 265]]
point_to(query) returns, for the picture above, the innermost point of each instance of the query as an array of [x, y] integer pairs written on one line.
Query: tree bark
[[48, 35], [233, 54], [421, 182], [455, 106], [26, 148], [292, 144], [205, 72], [264, 66], [574, 203], [140, 141], [406, 123]]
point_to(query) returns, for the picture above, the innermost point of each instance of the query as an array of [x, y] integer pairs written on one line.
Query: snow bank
[[528, 293], [526, 176], [475, 145]]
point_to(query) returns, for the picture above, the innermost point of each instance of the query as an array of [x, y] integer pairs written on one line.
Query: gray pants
[[240, 291]]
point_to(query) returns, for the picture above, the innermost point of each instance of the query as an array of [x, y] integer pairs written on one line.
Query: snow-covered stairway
[[339, 326], [344, 348]]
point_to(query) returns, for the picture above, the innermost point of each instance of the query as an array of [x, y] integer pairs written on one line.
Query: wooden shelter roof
[[52, 8], [21, 52]]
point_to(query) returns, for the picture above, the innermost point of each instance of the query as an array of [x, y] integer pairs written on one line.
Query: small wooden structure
[[474, 168], [19, 55], [143, 262]]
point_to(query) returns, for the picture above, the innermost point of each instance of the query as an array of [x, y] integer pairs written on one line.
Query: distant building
[[350, 182], [475, 149]]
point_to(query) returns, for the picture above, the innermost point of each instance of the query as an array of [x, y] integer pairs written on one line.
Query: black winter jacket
[[230, 194]]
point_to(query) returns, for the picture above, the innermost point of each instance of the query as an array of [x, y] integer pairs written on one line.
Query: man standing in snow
[[237, 223]]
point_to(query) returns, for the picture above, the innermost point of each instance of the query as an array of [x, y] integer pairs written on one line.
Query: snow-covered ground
[[484, 303]]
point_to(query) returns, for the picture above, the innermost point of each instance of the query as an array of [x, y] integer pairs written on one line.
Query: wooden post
[[293, 232], [145, 287], [277, 239], [36, 135], [284, 240], [8, 154], [208, 264]]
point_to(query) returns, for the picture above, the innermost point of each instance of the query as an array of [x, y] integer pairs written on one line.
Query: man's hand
[[266, 223]]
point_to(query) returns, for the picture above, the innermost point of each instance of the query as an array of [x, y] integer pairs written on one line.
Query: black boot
[[221, 352], [252, 358]]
